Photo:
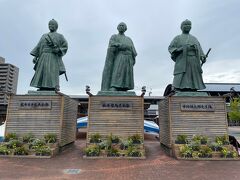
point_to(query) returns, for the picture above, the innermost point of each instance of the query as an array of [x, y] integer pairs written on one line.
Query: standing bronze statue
[[118, 69], [188, 56], [48, 59]]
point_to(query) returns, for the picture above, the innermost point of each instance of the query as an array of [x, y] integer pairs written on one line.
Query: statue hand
[[203, 59], [116, 45], [56, 50], [35, 60]]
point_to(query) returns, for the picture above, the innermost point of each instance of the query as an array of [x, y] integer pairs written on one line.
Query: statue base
[[191, 116], [190, 93], [119, 116], [41, 113], [116, 93]]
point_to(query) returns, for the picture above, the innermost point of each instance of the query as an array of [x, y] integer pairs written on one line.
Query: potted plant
[[216, 146], [10, 136], [4, 150], [37, 143], [43, 151], [181, 139], [95, 138], [28, 137], [50, 138], [114, 139], [13, 143], [222, 139], [136, 139], [114, 152], [205, 152], [92, 150], [226, 153], [195, 145], [20, 151], [133, 152], [125, 144], [186, 151]]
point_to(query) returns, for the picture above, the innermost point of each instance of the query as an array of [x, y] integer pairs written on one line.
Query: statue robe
[[49, 65], [118, 69], [187, 69]]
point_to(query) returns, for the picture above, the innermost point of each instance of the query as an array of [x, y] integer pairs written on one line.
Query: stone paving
[[70, 165]]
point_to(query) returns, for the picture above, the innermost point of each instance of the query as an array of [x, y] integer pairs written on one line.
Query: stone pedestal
[[191, 116], [42, 113], [121, 116]]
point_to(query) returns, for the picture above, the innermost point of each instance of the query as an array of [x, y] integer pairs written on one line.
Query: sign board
[[35, 104], [116, 105], [207, 107]]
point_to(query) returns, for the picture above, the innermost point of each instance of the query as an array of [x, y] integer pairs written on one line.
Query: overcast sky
[[87, 25]]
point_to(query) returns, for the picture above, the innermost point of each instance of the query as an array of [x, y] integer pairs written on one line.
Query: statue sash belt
[[47, 50], [191, 53], [125, 52]]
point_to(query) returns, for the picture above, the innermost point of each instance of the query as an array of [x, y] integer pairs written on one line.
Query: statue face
[[186, 27], [121, 28], [52, 26]]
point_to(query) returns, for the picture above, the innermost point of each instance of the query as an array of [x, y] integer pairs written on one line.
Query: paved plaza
[[71, 165]]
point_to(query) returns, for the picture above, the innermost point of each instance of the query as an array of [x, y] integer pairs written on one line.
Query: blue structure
[[149, 126]]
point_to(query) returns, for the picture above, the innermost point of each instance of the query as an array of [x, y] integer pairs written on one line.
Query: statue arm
[[202, 56], [64, 46], [173, 49], [36, 51], [134, 53], [113, 42]]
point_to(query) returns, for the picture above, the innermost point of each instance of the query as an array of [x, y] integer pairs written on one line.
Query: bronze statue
[[48, 59], [118, 69], [188, 56]]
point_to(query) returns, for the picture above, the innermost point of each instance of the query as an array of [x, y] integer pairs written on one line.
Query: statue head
[[122, 27], [186, 26], [53, 25]]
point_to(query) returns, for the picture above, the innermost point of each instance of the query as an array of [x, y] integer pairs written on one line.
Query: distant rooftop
[[221, 87]]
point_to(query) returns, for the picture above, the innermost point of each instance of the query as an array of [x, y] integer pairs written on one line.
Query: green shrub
[[50, 138], [10, 136], [105, 144], [222, 139], [226, 153], [234, 114], [136, 139], [216, 146], [20, 151], [125, 144], [181, 139], [113, 152], [95, 138], [92, 150], [186, 151], [113, 138], [133, 152], [204, 139], [36, 143], [195, 145], [28, 137], [200, 138], [4, 150], [205, 151], [196, 154], [43, 151], [14, 143]]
